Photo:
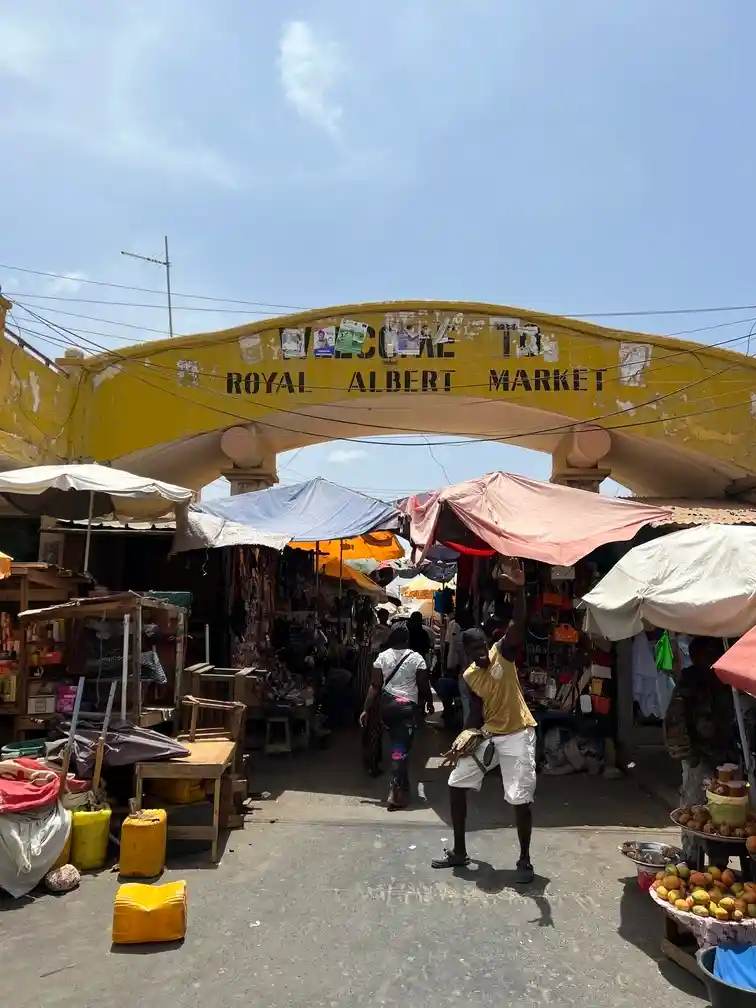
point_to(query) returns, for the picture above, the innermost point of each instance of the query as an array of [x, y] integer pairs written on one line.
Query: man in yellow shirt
[[498, 707]]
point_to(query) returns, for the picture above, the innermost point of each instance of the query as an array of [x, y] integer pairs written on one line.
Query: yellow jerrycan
[[147, 913], [144, 836], [89, 839]]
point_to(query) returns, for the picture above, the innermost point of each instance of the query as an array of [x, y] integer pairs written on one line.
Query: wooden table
[[207, 760]]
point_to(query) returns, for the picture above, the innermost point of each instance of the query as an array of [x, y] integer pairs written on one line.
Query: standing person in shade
[[398, 685], [372, 729], [698, 727], [419, 638], [498, 707]]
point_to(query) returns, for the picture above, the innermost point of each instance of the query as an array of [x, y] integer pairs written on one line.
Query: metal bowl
[[650, 854]]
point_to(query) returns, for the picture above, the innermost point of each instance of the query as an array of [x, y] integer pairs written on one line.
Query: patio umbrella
[[87, 491], [699, 581]]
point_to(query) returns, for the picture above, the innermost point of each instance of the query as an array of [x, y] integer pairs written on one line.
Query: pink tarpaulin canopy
[[737, 666], [526, 518]]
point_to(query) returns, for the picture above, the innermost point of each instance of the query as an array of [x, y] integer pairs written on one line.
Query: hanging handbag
[[555, 600], [565, 634], [508, 573]]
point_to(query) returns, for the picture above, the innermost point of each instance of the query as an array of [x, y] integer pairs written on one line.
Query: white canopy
[[699, 581], [76, 491]]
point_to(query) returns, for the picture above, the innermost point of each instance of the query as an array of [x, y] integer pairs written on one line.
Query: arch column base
[[580, 479], [245, 480]]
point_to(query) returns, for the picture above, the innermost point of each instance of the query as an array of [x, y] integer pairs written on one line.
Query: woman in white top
[[399, 683]]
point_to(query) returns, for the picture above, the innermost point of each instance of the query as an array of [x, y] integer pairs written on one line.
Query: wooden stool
[[281, 744]]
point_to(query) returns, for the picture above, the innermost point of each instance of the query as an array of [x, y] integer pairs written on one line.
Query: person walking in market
[[499, 731], [398, 686], [699, 727], [372, 729]]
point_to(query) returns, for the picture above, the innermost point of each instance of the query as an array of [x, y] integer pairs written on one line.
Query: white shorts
[[515, 758]]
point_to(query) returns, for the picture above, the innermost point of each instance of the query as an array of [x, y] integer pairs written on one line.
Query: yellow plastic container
[[65, 854], [179, 792], [145, 913], [89, 844], [143, 839]]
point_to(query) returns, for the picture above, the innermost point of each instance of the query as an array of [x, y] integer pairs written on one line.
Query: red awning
[[737, 666]]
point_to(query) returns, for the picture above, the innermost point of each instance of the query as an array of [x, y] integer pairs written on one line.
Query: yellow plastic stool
[[144, 913]]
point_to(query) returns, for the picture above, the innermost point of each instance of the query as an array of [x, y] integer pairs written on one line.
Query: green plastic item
[[16, 749], [664, 655]]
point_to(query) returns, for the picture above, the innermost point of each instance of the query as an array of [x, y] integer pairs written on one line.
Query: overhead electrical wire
[[501, 437], [289, 307]]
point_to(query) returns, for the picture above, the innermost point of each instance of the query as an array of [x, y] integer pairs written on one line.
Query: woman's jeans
[[399, 719]]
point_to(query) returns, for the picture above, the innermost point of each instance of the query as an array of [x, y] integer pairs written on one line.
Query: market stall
[[699, 582], [299, 615], [514, 534], [25, 583], [136, 641]]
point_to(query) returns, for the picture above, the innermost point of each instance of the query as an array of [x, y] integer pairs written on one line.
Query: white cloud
[[68, 283], [93, 86], [341, 455], [310, 68]]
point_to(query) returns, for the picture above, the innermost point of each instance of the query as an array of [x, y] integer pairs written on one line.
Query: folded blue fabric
[[736, 965]]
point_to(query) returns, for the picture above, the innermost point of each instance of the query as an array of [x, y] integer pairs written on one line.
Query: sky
[[581, 157]]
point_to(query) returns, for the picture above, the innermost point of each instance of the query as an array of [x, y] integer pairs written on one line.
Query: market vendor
[[699, 726]]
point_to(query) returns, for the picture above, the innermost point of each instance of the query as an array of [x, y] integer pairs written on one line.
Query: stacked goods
[[699, 819], [713, 893]]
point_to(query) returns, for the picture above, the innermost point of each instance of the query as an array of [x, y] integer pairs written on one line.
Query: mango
[[659, 876], [672, 882], [700, 896], [720, 914], [752, 909], [715, 873], [715, 894], [700, 911], [727, 877], [697, 878], [683, 904], [683, 871], [727, 903], [737, 888], [671, 869], [737, 915], [662, 892]]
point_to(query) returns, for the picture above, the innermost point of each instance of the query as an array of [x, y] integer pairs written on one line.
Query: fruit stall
[[706, 904]]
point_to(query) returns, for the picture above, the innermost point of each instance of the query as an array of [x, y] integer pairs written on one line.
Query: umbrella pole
[[341, 581], [88, 540], [125, 664], [738, 704]]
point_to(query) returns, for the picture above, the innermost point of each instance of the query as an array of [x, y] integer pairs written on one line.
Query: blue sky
[[578, 156]]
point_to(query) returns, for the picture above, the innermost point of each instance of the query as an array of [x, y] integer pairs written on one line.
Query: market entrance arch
[[662, 416]]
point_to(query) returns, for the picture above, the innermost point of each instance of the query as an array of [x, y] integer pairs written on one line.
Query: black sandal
[[451, 860], [525, 873]]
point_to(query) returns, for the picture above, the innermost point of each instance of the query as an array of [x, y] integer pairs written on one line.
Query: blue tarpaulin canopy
[[306, 512]]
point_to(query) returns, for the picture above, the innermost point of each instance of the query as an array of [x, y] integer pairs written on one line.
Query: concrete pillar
[[576, 461], [249, 479], [254, 465]]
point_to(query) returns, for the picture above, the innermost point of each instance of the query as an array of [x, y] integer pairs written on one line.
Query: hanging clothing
[[645, 676]]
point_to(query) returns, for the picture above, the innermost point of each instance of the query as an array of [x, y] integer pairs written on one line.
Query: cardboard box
[[41, 705]]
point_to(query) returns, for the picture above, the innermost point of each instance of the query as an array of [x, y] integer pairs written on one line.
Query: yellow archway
[[678, 416]]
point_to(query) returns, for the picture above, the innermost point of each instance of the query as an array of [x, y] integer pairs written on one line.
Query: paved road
[[334, 904]]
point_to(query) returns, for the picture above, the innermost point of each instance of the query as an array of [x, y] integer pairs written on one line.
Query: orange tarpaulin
[[371, 546]]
